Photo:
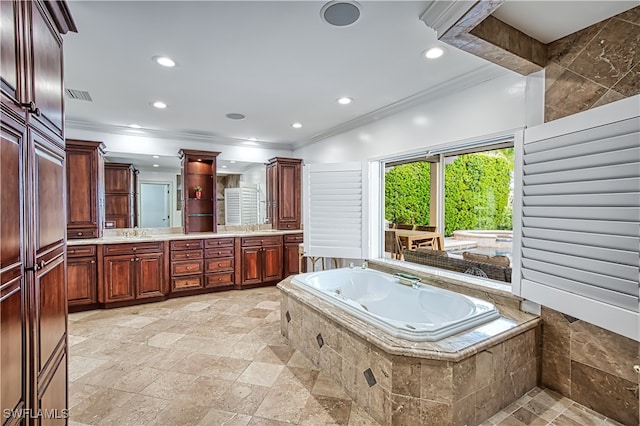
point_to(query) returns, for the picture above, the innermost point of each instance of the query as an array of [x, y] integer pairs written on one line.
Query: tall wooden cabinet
[[284, 184], [33, 307], [119, 190], [199, 210], [85, 189]]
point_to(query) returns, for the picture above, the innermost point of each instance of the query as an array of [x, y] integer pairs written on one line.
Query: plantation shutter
[[580, 217], [241, 206], [333, 210]]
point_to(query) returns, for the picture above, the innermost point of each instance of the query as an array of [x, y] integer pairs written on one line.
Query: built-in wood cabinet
[[85, 188], [292, 254], [119, 195], [260, 260], [199, 207], [187, 264], [284, 185], [133, 271], [219, 263], [33, 300], [82, 276]]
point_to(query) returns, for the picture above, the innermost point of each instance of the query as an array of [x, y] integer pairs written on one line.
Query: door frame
[[171, 198]]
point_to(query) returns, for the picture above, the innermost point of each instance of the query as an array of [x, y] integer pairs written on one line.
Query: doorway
[[155, 205]]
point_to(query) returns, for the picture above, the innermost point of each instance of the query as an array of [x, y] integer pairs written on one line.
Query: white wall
[[149, 176], [488, 108]]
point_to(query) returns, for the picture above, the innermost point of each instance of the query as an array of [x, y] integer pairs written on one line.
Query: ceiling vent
[[340, 13], [80, 95]]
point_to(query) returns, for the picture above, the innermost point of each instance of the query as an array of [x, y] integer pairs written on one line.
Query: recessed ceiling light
[[340, 13], [232, 161], [156, 165], [156, 156], [296, 125], [159, 105], [135, 126], [235, 116], [345, 101], [434, 52], [253, 139], [165, 61], [224, 167]]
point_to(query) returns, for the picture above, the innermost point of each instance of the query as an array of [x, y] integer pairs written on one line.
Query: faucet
[[365, 265], [350, 265]]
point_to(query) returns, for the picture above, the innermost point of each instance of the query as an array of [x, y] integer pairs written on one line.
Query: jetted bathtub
[[418, 312]]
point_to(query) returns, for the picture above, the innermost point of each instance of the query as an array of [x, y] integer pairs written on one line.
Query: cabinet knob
[[186, 255], [31, 107], [131, 260], [79, 233], [219, 265], [219, 252], [93, 261], [186, 245], [134, 249]]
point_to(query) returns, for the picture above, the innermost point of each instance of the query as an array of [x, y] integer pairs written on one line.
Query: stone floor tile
[[81, 365], [224, 418], [139, 410], [283, 404], [261, 374], [241, 398]]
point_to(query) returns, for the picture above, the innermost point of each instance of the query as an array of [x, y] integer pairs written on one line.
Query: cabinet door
[[13, 358], [150, 275], [119, 278], [9, 45], [81, 281], [251, 265], [81, 175], [46, 76], [288, 196], [272, 263], [117, 179], [291, 259]]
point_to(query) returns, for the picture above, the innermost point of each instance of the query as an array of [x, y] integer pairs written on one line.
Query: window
[[465, 194]]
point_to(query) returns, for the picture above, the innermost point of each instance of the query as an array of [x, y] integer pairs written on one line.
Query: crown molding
[[442, 15], [172, 135], [461, 82]]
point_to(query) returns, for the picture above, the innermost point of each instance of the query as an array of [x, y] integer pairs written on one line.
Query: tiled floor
[[219, 359]]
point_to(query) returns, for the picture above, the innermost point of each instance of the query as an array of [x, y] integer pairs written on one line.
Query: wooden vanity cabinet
[[260, 260], [186, 265], [82, 276], [85, 188], [133, 271], [219, 263], [33, 305], [292, 254], [119, 189], [284, 185]]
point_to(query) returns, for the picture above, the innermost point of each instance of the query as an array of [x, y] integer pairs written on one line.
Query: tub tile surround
[[591, 365], [463, 379]]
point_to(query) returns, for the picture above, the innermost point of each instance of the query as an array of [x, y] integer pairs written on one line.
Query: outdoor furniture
[[392, 245], [428, 228], [409, 238], [439, 259], [404, 226]]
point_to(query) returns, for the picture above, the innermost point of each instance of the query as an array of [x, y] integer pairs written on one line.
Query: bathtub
[[420, 313]]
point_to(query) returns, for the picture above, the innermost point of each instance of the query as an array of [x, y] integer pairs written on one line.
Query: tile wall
[[595, 66]]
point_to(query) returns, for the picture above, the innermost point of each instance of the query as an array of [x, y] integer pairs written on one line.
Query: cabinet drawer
[[219, 280], [293, 238], [186, 268], [78, 234], [79, 251], [218, 242], [261, 241], [219, 252], [186, 255], [150, 247], [186, 283], [218, 265], [186, 245]]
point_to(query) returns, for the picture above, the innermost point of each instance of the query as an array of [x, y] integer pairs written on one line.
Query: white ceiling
[[276, 62], [550, 20]]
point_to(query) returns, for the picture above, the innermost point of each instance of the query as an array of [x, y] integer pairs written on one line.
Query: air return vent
[[80, 95]]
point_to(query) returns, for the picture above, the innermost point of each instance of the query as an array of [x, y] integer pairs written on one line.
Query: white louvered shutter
[[580, 217], [241, 206], [334, 210]]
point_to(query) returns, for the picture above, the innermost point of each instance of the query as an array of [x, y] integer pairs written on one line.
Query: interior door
[[154, 205]]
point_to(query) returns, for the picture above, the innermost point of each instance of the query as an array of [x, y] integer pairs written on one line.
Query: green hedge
[[476, 192]]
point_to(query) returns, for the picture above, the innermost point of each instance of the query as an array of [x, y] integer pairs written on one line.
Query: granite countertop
[[118, 239]]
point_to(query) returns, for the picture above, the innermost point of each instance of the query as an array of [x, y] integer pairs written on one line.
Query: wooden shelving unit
[[199, 169]]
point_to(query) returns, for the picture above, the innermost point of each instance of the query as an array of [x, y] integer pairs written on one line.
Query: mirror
[[160, 174]]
